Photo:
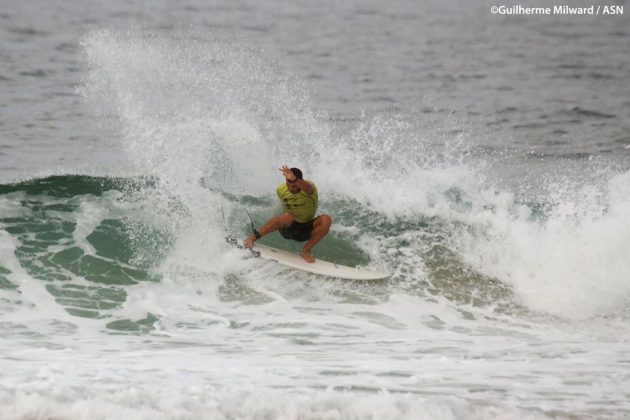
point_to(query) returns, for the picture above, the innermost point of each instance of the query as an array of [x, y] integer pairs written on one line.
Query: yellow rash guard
[[301, 205]]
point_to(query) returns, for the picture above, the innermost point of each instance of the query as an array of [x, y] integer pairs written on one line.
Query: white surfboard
[[321, 267]]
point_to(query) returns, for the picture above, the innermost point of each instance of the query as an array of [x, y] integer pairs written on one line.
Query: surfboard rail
[[321, 267]]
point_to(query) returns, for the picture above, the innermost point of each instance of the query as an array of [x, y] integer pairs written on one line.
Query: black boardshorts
[[300, 232]]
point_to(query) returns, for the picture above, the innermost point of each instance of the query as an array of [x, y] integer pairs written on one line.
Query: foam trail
[[200, 116], [217, 404]]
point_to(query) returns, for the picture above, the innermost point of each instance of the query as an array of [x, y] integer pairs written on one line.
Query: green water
[[89, 276]]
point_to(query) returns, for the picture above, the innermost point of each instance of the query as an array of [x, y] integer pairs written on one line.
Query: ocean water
[[483, 160]]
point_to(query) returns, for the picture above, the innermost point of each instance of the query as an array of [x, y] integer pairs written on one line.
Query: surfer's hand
[[249, 242], [288, 173]]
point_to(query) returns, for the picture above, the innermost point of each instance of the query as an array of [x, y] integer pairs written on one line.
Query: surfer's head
[[291, 185]]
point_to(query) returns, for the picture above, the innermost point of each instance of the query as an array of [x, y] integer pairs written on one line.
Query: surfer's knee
[[285, 219], [325, 221]]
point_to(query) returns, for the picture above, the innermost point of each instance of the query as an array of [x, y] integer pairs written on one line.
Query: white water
[[572, 264]]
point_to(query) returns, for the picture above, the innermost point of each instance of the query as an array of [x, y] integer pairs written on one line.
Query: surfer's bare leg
[[275, 223], [321, 226]]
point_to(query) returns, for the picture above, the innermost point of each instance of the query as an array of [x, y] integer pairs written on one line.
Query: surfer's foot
[[307, 256]]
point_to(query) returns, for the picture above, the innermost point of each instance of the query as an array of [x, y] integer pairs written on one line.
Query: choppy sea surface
[[483, 160]]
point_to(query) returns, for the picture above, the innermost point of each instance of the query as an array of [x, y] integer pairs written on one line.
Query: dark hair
[[297, 173]]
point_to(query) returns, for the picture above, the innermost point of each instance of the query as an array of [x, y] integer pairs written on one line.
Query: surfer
[[298, 221]]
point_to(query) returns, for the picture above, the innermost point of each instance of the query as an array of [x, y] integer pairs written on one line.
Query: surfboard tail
[[236, 243]]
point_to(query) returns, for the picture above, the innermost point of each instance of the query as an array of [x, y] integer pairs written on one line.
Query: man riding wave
[[298, 222]]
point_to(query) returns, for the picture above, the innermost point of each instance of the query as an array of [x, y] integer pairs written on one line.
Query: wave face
[[132, 273], [87, 238], [219, 120]]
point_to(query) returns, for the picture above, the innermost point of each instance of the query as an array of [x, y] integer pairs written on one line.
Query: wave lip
[[571, 263]]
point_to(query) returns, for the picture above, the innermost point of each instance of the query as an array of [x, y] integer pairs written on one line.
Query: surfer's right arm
[[249, 242], [278, 222]]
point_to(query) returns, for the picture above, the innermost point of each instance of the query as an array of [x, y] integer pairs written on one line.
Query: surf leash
[[254, 231], [233, 241]]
